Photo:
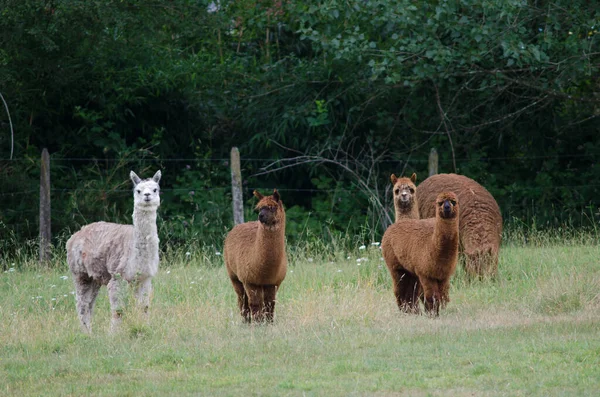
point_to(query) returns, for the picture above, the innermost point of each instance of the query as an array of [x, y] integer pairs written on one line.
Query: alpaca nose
[[446, 206], [147, 194]]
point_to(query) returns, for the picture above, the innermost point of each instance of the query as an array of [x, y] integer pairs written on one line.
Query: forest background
[[323, 99]]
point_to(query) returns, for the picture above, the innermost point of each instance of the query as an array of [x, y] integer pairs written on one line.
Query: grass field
[[533, 331]]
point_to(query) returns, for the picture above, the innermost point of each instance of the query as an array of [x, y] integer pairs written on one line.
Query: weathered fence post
[[45, 223], [236, 187], [433, 162]]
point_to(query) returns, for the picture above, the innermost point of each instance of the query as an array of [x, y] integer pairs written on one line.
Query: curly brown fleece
[[480, 219], [426, 249], [255, 258]]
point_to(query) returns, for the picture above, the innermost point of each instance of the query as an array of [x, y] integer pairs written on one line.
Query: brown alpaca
[[255, 258], [405, 200], [480, 220], [426, 249]]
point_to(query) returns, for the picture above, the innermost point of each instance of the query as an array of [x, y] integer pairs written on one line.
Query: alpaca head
[[404, 190], [447, 205], [146, 192], [270, 209]]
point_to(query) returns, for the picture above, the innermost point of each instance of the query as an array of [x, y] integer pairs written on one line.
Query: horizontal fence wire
[[24, 193]]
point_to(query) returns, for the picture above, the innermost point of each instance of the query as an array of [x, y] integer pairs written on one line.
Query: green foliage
[[505, 90]]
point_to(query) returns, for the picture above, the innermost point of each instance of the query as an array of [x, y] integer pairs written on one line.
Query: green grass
[[533, 331]]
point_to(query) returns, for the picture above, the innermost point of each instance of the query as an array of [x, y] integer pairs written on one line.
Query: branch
[[12, 133], [444, 118]]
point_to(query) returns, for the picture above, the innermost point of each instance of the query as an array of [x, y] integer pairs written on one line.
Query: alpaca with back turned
[[480, 220], [256, 261], [426, 249], [115, 255]]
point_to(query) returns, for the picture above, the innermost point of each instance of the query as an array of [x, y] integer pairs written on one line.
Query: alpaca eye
[[397, 191], [139, 191], [412, 191], [452, 202], [154, 190]]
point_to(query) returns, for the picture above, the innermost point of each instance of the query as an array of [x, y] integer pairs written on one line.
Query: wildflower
[[188, 253], [339, 270], [375, 243], [53, 286], [12, 269], [362, 247], [217, 253], [168, 272], [310, 259], [64, 277]]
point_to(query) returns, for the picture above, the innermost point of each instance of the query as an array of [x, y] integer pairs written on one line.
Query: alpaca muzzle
[[447, 208]]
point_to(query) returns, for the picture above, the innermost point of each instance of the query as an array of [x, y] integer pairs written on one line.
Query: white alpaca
[[110, 254]]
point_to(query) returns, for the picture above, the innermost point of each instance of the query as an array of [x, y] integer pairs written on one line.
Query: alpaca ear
[[257, 195], [393, 178], [276, 195], [413, 178], [134, 178], [156, 177]]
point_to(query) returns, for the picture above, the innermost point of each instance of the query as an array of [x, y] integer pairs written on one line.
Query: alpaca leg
[[143, 294], [255, 301], [117, 290], [270, 292], [473, 266], [431, 291], [406, 289], [87, 291], [444, 287], [242, 299]]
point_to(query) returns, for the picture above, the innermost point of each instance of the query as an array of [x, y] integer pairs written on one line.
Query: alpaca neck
[[445, 236], [270, 241], [406, 213], [145, 241]]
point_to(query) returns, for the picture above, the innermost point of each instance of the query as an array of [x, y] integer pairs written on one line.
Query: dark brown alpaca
[[426, 249], [405, 199], [480, 220], [256, 260]]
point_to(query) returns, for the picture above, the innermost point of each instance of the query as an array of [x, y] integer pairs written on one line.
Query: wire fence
[[19, 189]]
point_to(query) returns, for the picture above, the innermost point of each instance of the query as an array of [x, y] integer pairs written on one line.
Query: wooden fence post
[[45, 222], [236, 187], [433, 162]]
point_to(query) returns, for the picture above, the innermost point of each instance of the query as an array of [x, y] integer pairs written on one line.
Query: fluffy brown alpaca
[[405, 200], [426, 249], [256, 260], [480, 220]]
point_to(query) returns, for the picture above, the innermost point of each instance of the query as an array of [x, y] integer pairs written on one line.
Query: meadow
[[535, 330]]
